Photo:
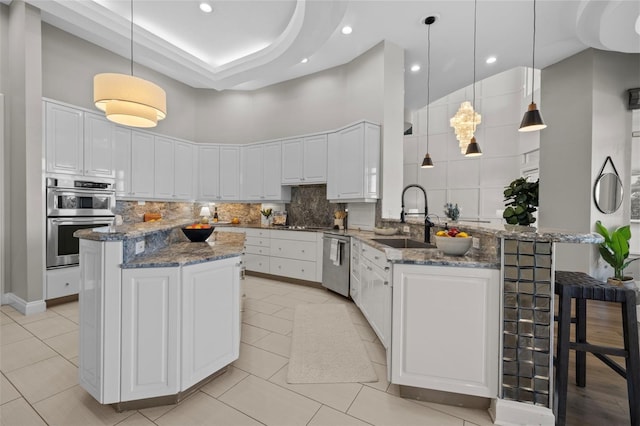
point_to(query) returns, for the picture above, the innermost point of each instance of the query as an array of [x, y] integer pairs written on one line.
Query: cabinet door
[[230, 172], [272, 169], [349, 156], [150, 339], [122, 161], [252, 170], [164, 168], [64, 139], [183, 170], [292, 161], [142, 165], [209, 172], [380, 305], [315, 159], [371, 160], [446, 328], [98, 146], [210, 318]]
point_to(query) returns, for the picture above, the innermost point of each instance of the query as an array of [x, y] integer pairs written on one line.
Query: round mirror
[[607, 192]]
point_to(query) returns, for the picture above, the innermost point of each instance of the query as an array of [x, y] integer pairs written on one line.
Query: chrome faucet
[[427, 223]]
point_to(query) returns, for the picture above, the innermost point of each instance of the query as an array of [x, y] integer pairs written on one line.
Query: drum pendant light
[[532, 119], [473, 149], [129, 100], [427, 162]]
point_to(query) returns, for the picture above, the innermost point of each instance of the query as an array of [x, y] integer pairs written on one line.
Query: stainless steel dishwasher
[[335, 263]]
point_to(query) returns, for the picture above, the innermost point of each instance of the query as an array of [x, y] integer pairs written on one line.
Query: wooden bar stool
[[582, 287]]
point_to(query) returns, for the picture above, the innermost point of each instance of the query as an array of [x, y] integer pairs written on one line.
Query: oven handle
[[61, 191], [92, 219]]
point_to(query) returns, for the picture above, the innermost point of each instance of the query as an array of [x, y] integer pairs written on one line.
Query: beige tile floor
[[39, 357]]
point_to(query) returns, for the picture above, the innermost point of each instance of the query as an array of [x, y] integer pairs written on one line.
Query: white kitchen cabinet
[[296, 254], [353, 173], [218, 173], [184, 171], [163, 168], [99, 155], [210, 319], [257, 248], [261, 173], [62, 282], [304, 160], [446, 328], [375, 292], [64, 133], [122, 162], [355, 276], [150, 332], [142, 165]]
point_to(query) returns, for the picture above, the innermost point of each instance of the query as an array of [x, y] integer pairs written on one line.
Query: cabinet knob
[[302, 270], [386, 283], [279, 248], [303, 251], [66, 284], [376, 257]]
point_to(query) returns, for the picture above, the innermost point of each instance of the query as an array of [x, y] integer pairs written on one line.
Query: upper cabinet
[[78, 142], [304, 160], [261, 173], [218, 172], [353, 173], [142, 165]]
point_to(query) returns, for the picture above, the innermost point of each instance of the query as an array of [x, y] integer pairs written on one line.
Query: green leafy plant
[[452, 211], [521, 199], [615, 248], [266, 213]]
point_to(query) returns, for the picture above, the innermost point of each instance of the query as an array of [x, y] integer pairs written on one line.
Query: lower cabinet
[[150, 332], [375, 292], [296, 254], [446, 328], [62, 282], [354, 281]]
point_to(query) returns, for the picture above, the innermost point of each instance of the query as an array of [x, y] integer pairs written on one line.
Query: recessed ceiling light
[[206, 7], [491, 59], [415, 68], [347, 30], [304, 60]]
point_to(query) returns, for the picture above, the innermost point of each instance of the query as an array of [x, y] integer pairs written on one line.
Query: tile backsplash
[[133, 211], [309, 206]]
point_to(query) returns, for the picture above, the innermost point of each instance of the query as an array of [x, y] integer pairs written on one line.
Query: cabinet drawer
[[376, 257], [294, 235], [262, 250], [300, 250], [256, 241], [292, 268], [63, 282], [256, 263], [257, 232]]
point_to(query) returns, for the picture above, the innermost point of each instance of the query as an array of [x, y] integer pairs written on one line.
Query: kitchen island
[[156, 325]]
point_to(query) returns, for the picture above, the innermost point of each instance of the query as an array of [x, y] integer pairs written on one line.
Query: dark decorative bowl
[[198, 235]]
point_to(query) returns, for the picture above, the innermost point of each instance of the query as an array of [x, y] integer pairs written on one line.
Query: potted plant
[[615, 251], [521, 199]]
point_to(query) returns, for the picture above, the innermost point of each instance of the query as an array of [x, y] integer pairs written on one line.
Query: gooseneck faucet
[[427, 223]]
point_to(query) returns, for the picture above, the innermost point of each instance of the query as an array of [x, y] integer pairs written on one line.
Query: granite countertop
[[129, 231], [222, 245], [431, 256]]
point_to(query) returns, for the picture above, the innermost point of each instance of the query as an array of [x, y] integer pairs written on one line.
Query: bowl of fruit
[[197, 232], [453, 242]]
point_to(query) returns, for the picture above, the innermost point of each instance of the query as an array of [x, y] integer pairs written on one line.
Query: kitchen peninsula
[[156, 325]]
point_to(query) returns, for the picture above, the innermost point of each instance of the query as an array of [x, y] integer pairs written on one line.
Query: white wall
[[586, 111], [475, 184]]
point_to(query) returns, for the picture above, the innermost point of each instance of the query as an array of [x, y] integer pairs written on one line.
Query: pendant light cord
[[428, 78], [131, 37], [533, 65], [475, 17]]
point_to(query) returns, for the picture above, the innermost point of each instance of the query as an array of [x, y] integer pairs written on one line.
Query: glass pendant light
[[532, 119], [473, 149], [129, 100], [427, 162]]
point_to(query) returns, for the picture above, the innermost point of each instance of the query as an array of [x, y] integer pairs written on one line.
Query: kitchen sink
[[403, 243]]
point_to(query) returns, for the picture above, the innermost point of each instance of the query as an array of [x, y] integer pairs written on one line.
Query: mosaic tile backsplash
[[133, 212], [527, 322]]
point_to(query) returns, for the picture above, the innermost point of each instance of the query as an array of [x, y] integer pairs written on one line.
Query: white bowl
[[385, 231], [456, 246]]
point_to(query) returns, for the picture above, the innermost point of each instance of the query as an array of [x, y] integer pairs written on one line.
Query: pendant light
[[473, 149], [129, 100], [532, 119], [427, 162]]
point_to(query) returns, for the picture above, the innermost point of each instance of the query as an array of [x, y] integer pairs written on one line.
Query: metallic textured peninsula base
[[139, 404], [442, 397]]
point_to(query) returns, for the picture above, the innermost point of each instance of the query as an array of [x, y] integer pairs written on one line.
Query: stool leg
[[581, 337], [630, 333], [562, 357]]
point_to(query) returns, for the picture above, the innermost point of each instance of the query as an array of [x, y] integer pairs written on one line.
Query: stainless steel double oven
[[73, 205]]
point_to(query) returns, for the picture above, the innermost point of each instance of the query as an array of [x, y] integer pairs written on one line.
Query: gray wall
[[585, 110]]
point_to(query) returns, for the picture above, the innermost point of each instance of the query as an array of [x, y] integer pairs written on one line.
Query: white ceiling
[[245, 45]]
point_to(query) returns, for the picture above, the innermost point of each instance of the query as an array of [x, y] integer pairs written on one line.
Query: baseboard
[[22, 306], [508, 413]]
